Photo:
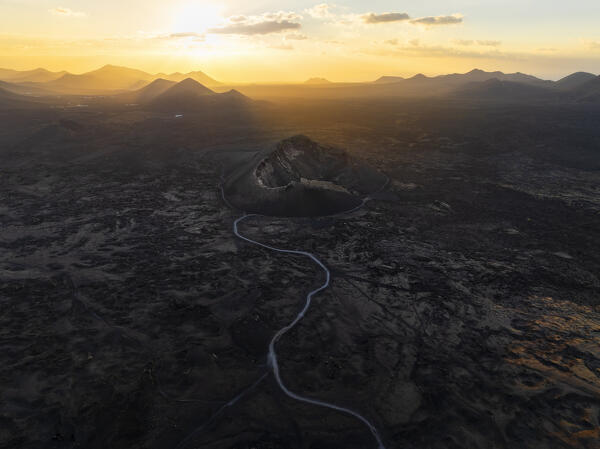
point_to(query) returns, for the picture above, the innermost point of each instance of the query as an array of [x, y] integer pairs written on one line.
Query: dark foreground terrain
[[464, 309]]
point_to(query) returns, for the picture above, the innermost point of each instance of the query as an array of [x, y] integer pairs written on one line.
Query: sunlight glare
[[197, 16]]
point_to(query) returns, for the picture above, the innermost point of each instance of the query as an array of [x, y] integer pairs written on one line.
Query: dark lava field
[[463, 310]]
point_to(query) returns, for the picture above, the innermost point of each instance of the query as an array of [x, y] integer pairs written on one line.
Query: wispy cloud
[[595, 45], [416, 48], [67, 12], [296, 37], [489, 43], [255, 25], [322, 11], [438, 20], [185, 35], [249, 29], [385, 17], [279, 15], [482, 43], [372, 18], [238, 19]]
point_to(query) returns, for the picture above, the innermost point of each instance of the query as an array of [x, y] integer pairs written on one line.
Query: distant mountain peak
[[191, 96], [185, 90], [317, 81], [591, 75], [235, 92], [236, 96], [189, 82], [110, 67], [197, 75], [160, 81], [387, 79], [149, 92], [575, 80], [192, 86]]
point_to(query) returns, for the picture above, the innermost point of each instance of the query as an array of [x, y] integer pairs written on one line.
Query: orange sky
[[295, 40]]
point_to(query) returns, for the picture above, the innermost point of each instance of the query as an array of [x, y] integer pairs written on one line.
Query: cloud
[[322, 11], [249, 29], [280, 15], [190, 36], [296, 37], [418, 49], [595, 45], [481, 43], [185, 35], [438, 20], [272, 22], [489, 43], [67, 12], [386, 17], [396, 42]]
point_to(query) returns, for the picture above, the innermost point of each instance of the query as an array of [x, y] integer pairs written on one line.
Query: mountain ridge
[[99, 81], [191, 96], [39, 75], [317, 81]]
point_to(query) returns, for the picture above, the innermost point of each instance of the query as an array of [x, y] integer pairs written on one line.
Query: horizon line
[[280, 82]]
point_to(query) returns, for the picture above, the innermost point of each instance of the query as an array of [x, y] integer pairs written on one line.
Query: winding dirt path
[[272, 355]]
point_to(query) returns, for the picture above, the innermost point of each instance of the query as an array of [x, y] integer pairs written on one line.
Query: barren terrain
[[465, 298]]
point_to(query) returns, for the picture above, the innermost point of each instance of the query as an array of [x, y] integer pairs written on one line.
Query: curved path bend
[[272, 355]]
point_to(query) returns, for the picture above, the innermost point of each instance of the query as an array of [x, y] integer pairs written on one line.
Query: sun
[[197, 16]]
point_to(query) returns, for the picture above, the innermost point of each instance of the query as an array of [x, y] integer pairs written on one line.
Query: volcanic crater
[[300, 177]]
